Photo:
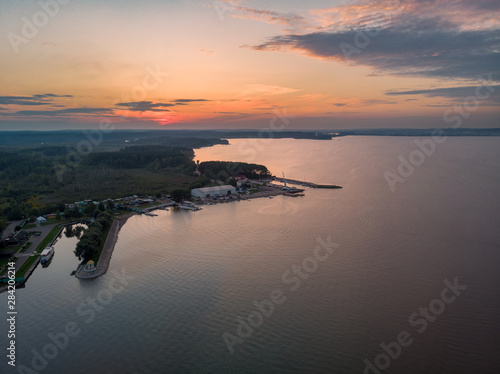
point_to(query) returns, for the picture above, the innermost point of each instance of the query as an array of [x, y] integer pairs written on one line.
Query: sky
[[242, 64]]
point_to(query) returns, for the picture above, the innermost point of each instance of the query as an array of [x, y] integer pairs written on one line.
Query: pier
[[303, 183]]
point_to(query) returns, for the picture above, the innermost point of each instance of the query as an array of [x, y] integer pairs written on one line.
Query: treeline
[[14, 165], [222, 170], [149, 157], [92, 237], [174, 141]]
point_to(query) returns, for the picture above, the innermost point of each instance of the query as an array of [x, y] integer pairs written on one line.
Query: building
[[241, 180], [19, 237], [213, 191], [41, 219]]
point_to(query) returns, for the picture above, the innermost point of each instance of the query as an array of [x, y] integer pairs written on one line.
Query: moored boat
[[46, 254]]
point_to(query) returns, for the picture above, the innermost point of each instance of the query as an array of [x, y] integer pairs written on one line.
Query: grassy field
[[29, 226], [48, 239]]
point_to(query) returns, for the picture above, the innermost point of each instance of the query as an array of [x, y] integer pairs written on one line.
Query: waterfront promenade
[[107, 250]]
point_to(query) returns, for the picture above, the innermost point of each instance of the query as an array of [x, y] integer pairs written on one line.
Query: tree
[[14, 214], [85, 249], [89, 209], [3, 225], [101, 207], [179, 194]]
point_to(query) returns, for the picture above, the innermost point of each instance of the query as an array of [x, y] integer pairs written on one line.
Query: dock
[[148, 210], [304, 183]]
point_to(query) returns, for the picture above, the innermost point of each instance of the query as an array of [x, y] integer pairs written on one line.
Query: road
[[35, 241]]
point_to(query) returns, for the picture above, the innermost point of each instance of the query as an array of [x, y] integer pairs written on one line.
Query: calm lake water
[[196, 274]]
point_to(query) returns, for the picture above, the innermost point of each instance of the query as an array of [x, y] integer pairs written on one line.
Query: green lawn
[[25, 247], [52, 221], [4, 261], [48, 239], [29, 226], [25, 267]]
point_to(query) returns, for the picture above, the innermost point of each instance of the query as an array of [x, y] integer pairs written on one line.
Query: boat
[[150, 214], [188, 205], [46, 254], [292, 189]]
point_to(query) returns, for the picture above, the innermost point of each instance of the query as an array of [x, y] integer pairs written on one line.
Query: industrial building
[[216, 191]]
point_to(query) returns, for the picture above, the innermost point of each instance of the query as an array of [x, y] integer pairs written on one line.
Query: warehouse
[[205, 192]]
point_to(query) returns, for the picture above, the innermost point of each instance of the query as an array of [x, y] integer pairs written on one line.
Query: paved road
[[35, 241], [10, 228]]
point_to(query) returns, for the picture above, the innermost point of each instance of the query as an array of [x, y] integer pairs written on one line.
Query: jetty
[[148, 210], [304, 183], [109, 245]]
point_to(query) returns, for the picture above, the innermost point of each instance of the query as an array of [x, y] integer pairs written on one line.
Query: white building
[[213, 191], [41, 219]]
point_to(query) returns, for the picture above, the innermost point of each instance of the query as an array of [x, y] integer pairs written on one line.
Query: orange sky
[[234, 63]]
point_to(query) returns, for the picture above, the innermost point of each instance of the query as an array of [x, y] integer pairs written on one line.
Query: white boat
[[46, 255], [188, 205]]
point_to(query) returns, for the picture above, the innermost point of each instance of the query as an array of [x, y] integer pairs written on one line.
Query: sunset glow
[[231, 64]]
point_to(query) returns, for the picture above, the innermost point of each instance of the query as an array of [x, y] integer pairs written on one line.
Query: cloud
[[262, 89], [55, 113], [457, 94], [359, 102], [189, 100], [453, 92], [142, 106], [290, 19], [431, 38], [43, 99]]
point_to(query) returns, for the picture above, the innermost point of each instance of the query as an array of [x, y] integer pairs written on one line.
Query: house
[[18, 238], [240, 180], [213, 191], [41, 219], [51, 215]]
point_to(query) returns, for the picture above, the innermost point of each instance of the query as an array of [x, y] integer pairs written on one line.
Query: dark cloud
[[189, 100], [489, 96], [364, 102], [452, 92], [43, 99], [142, 106], [62, 112], [418, 42]]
